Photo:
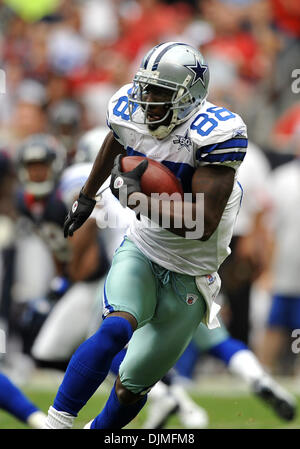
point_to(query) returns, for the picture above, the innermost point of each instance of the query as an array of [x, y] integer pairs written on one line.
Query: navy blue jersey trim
[[150, 54], [106, 303], [224, 157], [241, 142], [242, 192]]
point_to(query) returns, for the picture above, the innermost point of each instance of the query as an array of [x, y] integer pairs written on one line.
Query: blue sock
[[116, 415], [118, 359], [14, 401], [90, 364], [227, 349]]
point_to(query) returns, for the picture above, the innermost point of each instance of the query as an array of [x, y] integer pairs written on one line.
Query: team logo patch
[[239, 133], [191, 299], [74, 207], [184, 142], [118, 182], [210, 279]]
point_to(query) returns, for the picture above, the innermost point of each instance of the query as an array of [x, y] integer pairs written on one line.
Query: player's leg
[[167, 398], [33, 271], [66, 326], [161, 406], [242, 362], [34, 268], [15, 402], [172, 398], [270, 349], [236, 286], [129, 279], [152, 351], [276, 333]]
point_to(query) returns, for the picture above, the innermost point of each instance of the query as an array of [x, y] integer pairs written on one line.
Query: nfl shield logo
[[210, 279], [191, 299], [118, 182], [74, 207]]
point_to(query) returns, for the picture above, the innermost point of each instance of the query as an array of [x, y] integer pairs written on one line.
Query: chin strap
[[163, 131]]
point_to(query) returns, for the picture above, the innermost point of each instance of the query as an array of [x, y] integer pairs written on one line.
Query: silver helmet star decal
[[198, 71]]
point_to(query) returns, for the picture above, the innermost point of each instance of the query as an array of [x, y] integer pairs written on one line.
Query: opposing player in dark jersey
[[69, 270]]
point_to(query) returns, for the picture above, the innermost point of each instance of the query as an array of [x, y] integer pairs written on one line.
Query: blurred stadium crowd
[[63, 60]]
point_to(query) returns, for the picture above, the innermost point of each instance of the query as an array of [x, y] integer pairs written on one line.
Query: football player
[[14, 401], [65, 118], [162, 282], [168, 396], [57, 279], [283, 320]]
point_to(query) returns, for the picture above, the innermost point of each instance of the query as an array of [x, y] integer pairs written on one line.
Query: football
[[156, 179]]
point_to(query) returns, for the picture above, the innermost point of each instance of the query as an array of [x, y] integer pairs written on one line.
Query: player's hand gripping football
[[130, 180], [79, 213]]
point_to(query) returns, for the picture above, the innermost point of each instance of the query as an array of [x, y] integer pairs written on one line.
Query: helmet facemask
[[178, 107], [41, 188], [179, 68], [45, 150]]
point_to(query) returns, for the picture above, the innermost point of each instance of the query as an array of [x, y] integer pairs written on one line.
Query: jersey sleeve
[[117, 116], [219, 138], [72, 181]]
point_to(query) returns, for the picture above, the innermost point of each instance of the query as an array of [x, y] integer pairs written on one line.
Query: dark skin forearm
[[86, 254], [214, 182], [102, 165]]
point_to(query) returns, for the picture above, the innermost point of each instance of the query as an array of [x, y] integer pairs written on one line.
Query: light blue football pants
[[168, 308]]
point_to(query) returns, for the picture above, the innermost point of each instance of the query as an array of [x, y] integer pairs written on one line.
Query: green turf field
[[225, 412]]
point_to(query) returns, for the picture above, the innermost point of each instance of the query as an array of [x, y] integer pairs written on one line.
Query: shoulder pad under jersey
[[219, 136], [118, 118]]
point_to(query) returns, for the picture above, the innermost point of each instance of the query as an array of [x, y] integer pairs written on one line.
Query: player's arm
[[83, 207], [102, 165], [214, 182], [85, 252]]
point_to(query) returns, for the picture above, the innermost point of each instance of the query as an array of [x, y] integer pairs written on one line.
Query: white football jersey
[[72, 180], [256, 197], [213, 135], [285, 221]]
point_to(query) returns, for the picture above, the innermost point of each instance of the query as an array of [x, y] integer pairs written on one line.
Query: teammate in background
[[250, 244], [65, 118], [156, 271], [60, 280], [283, 320], [239, 360], [14, 401], [8, 214]]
